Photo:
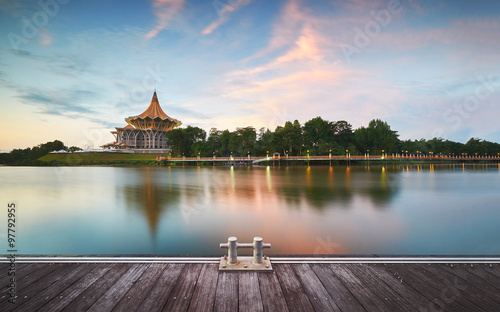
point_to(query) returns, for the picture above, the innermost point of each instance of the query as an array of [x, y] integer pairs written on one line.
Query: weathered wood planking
[[291, 287]]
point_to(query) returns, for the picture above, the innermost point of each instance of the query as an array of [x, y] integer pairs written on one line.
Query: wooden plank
[[484, 271], [270, 292], [342, 296], [136, 294], [358, 288], [415, 298], [158, 295], [428, 288], [22, 270], [74, 291], [33, 289], [98, 288], [29, 276], [318, 295], [392, 299], [293, 292], [494, 269], [226, 297], [116, 292], [51, 290], [181, 295], [249, 298], [460, 287], [452, 288], [477, 275], [204, 293]]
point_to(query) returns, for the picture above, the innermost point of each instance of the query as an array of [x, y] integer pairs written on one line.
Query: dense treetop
[[319, 137]]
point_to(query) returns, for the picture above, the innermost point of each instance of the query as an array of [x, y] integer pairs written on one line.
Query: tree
[[264, 143], [74, 149], [291, 136], [343, 134], [186, 141], [242, 141], [376, 137], [214, 141], [317, 132]]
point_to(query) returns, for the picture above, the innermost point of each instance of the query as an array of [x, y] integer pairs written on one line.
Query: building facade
[[145, 131]]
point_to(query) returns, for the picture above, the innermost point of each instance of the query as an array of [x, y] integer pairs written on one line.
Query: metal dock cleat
[[232, 262]]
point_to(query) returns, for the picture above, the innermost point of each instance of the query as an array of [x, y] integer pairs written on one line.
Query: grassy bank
[[97, 159]]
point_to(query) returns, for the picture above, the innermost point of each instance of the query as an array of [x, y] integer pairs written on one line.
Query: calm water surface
[[410, 210]]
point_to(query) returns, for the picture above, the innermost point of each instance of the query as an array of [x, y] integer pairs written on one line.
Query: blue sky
[[73, 70]]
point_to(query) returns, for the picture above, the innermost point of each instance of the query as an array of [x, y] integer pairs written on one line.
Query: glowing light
[[231, 175], [268, 178]]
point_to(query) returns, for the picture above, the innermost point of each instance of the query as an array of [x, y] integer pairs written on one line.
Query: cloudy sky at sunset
[[73, 70]]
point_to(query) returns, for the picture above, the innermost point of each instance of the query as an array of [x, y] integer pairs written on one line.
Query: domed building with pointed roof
[[145, 131]]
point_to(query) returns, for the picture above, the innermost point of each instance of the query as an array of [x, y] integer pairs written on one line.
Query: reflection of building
[[145, 131]]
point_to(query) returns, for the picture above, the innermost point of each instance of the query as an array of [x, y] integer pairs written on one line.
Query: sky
[[73, 70]]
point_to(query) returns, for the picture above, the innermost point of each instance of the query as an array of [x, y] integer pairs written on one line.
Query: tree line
[[316, 137], [30, 155]]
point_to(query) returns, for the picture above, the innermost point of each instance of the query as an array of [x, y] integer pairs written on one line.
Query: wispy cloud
[[67, 64], [165, 10], [224, 13], [64, 102]]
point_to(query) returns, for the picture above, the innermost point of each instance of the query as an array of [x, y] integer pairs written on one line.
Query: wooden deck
[[290, 287]]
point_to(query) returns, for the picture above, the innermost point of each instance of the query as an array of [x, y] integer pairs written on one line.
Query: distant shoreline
[[125, 159]]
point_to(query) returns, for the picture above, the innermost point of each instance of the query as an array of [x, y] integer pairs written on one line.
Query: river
[[357, 210]]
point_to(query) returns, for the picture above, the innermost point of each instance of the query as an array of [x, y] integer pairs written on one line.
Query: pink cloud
[[165, 10]]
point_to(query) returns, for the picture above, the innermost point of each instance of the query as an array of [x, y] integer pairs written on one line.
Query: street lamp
[[307, 153], [267, 154]]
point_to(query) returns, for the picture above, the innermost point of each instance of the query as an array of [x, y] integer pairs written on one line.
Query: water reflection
[[148, 191], [386, 209], [152, 191]]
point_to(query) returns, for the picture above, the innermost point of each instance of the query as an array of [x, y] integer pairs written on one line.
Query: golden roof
[[153, 117], [154, 110]]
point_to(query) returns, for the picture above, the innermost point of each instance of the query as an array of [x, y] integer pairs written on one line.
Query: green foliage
[[186, 141], [376, 137], [29, 155], [74, 149], [319, 137]]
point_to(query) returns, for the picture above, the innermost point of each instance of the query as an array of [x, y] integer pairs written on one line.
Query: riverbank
[[113, 158], [101, 158]]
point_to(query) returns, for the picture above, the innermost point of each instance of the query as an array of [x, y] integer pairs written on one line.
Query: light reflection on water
[[391, 209]]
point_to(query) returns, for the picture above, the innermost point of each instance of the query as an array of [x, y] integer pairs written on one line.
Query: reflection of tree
[[321, 187], [149, 191]]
